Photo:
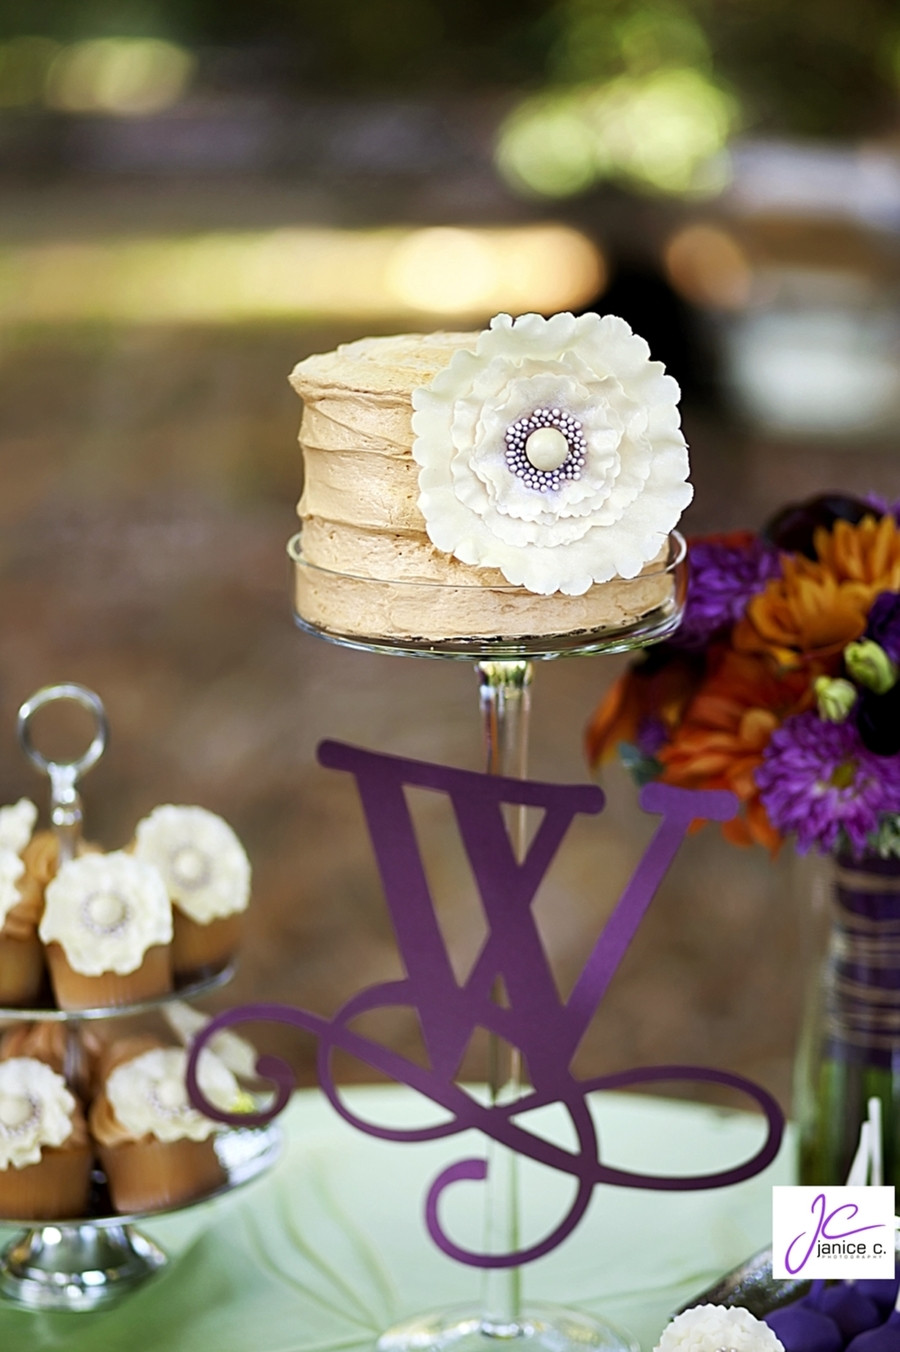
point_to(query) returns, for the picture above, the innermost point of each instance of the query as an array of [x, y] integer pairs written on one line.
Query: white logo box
[[833, 1232]]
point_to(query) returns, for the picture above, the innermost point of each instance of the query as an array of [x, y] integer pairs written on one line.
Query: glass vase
[[850, 1045]]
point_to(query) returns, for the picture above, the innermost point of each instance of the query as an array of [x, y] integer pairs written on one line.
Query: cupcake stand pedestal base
[[76, 1266]]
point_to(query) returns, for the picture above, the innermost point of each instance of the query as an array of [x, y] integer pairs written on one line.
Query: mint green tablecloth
[[329, 1248]]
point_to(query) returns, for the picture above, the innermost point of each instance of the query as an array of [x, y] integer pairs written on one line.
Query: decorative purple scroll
[[545, 1029]]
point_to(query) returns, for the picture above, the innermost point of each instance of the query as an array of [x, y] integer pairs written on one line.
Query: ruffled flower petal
[[17, 824], [11, 870]]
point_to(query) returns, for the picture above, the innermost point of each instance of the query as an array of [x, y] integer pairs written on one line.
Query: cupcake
[[156, 1149], [207, 873], [45, 1154], [41, 1041], [107, 927], [24, 870]]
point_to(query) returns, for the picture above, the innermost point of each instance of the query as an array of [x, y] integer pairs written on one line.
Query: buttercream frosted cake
[[533, 470]]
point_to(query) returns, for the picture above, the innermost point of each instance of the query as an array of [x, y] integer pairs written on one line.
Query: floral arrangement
[[782, 682]]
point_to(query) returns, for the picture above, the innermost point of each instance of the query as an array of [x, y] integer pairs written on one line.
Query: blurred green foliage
[[809, 67]]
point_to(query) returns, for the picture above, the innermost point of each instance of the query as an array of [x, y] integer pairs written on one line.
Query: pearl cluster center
[[545, 448], [105, 912], [190, 866], [168, 1098], [18, 1112]]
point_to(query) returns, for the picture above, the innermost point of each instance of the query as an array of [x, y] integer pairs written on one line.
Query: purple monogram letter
[[546, 1030]]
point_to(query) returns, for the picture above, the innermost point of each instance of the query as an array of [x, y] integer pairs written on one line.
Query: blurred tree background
[[194, 194], [809, 67]]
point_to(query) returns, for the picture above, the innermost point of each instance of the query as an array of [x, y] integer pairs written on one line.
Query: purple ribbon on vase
[[863, 1004], [545, 1028]]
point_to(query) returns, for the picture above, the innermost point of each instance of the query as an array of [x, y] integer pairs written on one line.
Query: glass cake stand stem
[[505, 697], [502, 1317]]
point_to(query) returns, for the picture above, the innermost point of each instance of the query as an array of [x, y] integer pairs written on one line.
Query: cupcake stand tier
[[91, 1261]]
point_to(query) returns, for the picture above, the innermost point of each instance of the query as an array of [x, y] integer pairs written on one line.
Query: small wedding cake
[[521, 481]]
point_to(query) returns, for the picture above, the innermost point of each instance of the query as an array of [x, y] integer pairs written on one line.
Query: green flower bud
[[869, 665], [835, 697]]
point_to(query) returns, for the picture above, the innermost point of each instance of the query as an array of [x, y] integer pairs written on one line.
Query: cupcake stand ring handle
[[65, 800], [66, 813]]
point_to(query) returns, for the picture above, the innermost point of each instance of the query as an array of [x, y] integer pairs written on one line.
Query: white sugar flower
[[718, 1328], [106, 910], [16, 825], [11, 870], [201, 859], [552, 451], [149, 1094], [35, 1111], [232, 1050]]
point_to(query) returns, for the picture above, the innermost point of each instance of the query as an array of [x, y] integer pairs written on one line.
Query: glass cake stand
[[88, 1262], [650, 608]]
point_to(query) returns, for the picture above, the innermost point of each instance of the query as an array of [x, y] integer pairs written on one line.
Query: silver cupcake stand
[[92, 1261]]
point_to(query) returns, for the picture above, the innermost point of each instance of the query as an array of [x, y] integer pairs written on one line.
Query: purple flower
[[652, 735], [884, 623], [794, 527], [724, 575], [819, 781], [880, 505]]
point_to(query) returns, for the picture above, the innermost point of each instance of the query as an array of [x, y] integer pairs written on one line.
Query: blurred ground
[[149, 477]]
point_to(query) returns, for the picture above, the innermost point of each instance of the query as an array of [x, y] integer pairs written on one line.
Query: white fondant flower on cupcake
[[204, 865], [106, 910], [553, 452], [11, 870], [718, 1328], [35, 1111], [235, 1052], [149, 1094], [16, 825]]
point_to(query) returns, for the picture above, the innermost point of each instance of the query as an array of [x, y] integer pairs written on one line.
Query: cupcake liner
[[152, 1175], [22, 971], [199, 950], [55, 1188], [73, 990]]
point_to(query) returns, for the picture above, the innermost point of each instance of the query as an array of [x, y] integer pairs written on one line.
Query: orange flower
[[658, 687], [725, 731], [867, 553], [820, 605], [804, 615]]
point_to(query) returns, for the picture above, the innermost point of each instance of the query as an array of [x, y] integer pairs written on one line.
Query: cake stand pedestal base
[[537, 1328], [76, 1267]]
